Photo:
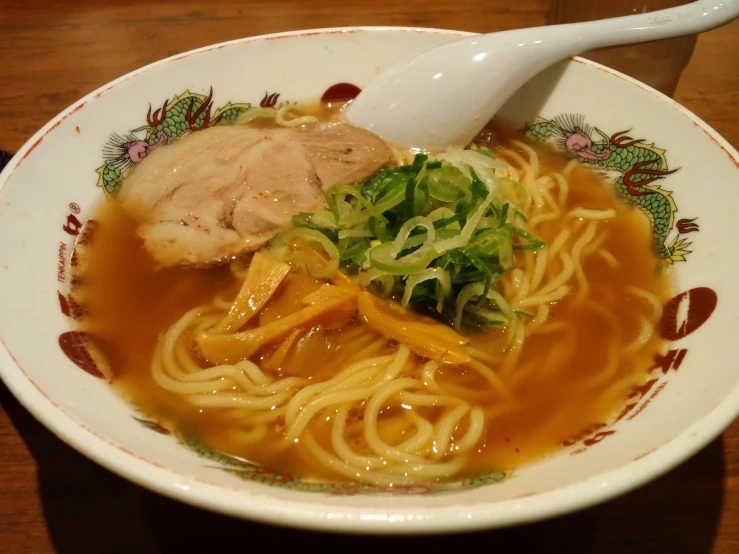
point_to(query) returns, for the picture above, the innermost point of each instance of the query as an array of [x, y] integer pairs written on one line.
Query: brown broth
[[129, 302]]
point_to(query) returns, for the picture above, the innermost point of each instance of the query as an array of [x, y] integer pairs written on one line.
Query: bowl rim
[[307, 512]]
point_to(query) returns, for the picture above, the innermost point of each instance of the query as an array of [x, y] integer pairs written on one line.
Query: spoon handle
[[692, 18]]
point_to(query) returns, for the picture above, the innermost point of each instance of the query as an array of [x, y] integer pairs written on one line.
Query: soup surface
[[573, 373]]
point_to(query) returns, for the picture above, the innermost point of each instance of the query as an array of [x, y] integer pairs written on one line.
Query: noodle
[[298, 121], [375, 380]]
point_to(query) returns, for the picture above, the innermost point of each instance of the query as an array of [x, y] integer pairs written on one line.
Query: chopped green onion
[[469, 292], [437, 273], [354, 233], [436, 235], [311, 236], [381, 257]]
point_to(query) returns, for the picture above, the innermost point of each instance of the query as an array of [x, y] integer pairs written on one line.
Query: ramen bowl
[[588, 111]]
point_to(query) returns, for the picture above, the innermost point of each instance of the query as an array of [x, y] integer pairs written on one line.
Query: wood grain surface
[[53, 500]]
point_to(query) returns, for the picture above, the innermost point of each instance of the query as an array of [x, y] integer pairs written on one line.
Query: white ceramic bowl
[[59, 176]]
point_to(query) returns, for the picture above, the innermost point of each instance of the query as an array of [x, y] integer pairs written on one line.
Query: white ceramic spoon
[[445, 96]]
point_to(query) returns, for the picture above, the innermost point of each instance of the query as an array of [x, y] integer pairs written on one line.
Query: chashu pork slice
[[223, 191]]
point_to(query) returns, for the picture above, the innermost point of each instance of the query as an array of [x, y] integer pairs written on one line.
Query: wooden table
[[52, 499]]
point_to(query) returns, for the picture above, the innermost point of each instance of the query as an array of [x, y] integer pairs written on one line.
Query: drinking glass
[[659, 63]]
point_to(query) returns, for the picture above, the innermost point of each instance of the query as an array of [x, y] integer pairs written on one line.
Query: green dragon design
[[635, 166], [183, 114], [244, 469]]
